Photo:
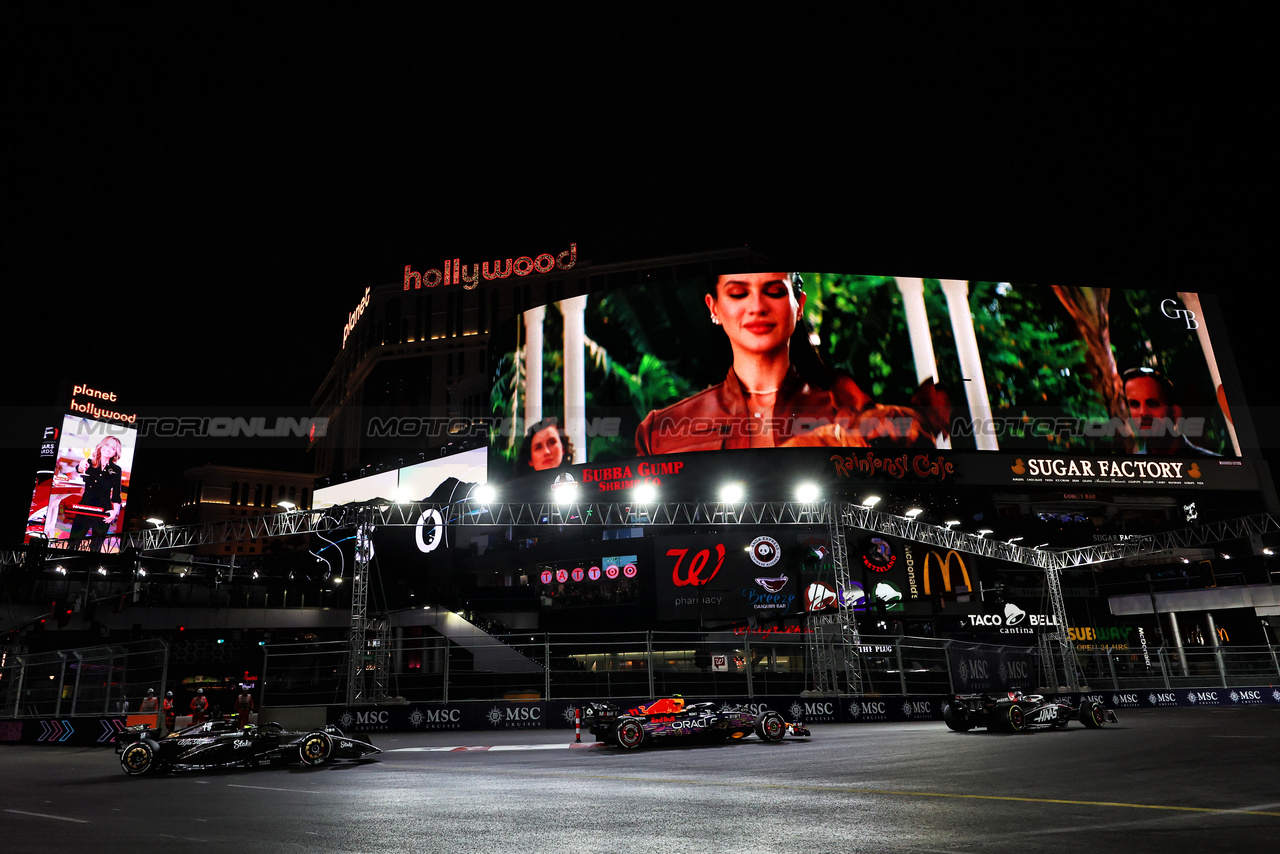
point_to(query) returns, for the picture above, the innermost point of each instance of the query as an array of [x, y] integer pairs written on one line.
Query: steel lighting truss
[[833, 644], [835, 636]]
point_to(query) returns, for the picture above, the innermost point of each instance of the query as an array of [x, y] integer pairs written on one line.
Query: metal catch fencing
[[95, 680], [652, 664]]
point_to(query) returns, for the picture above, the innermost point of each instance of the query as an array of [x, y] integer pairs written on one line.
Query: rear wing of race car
[[597, 714]]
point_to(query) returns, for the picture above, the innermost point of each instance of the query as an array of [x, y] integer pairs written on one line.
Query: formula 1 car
[[218, 744], [1019, 712], [670, 718]]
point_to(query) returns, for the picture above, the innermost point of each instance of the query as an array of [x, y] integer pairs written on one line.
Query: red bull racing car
[[219, 744], [1019, 712], [671, 719]]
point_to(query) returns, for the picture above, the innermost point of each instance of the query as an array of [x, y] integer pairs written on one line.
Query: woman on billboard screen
[[778, 392], [99, 505], [546, 446]]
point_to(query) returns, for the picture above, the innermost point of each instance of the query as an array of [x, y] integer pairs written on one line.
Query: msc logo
[[866, 710], [973, 669], [944, 564], [916, 709], [441, 716], [366, 718], [1011, 670], [523, 716], [812, 710]]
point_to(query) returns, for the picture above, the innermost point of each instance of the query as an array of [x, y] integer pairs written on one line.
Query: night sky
[[196, 203]]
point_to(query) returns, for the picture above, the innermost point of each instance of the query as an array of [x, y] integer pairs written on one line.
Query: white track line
[[492, 748], [46, 815]]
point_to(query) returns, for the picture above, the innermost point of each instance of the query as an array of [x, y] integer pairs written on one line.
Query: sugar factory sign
[[469, 275]]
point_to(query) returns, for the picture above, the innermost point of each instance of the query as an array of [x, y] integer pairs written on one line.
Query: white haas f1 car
[[671, 719], [218, 744], [1019, 712]]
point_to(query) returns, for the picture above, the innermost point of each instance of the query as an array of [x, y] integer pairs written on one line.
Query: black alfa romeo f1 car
[[218, 744], [670, 718], [1018, 712]]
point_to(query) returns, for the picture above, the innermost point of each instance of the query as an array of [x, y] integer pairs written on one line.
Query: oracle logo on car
[[692, 723]]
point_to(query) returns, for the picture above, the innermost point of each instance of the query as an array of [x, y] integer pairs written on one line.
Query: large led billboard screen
[[1125, 382], [79, 502]]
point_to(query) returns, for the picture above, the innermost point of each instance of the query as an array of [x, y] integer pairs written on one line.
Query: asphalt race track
[[1160, 781]]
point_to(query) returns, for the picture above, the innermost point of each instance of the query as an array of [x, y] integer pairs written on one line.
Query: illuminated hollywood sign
[[469, 275]]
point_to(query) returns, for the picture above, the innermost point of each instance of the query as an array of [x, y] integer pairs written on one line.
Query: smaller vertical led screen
[[79, 504]]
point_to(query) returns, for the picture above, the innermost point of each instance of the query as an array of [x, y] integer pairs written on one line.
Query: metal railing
[[93, 680], [652, 664], [85, 681]]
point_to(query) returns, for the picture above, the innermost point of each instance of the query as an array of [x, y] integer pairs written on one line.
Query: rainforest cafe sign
[[898, 466]]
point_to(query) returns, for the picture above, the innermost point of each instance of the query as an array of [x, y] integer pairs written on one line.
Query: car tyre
[[1017, 721], [315, 748], [138, 758], [1092, 715], [955, 720], [770, 726], [629, 734]]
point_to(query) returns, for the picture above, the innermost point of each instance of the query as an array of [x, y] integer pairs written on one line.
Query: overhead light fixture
[[871, 501], [951, 522], [984, 532], [1015, 539], [913, 512], [807, 493], [731, 493]]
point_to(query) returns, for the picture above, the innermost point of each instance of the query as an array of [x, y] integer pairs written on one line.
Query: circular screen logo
[[879, 556], [765, 551]]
